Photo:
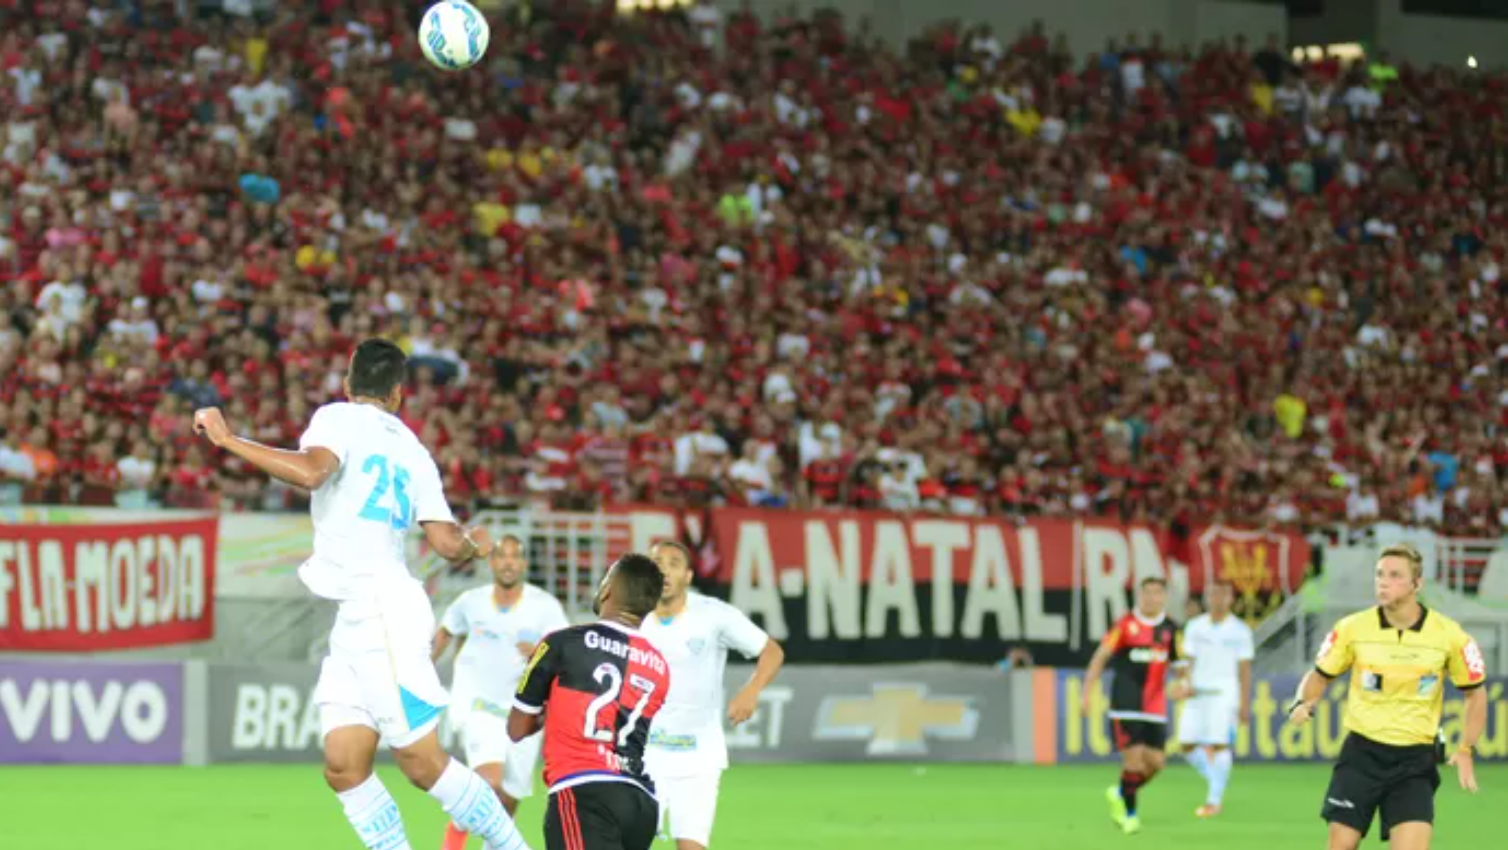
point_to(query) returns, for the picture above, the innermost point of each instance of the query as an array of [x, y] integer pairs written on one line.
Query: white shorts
[[486, 741], [378, 673], [1209, 720], [688, 805]]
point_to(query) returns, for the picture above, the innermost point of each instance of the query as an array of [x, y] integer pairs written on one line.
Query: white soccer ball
[[453, 35]]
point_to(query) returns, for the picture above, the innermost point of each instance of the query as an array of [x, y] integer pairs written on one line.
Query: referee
[[1399, 655]]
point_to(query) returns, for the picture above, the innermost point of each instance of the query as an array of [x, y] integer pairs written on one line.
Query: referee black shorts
[[1370, 778], [601, 816]]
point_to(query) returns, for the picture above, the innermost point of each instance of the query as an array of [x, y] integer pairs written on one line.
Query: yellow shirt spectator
[[488, 215], [499, 159], [1026, 121], [1290, 411], [256, 54], [309, 257], [1261, 95]]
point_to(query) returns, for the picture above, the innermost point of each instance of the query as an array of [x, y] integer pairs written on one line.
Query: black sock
[[1130, 783]]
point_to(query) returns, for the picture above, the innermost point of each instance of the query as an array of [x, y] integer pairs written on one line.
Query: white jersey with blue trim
[[489, 665], [687, 736], [1217, 650], [387, 482]]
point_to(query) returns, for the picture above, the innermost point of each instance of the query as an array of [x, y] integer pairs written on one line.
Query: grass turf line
[[792, 807]]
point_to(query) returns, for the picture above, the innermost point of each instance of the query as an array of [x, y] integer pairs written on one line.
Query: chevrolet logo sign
[[896, 719]]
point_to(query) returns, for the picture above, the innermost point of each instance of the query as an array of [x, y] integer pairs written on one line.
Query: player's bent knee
[[423, 761], [343, 779], [349, 751]]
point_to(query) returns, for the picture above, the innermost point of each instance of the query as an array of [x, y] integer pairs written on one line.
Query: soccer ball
[[453, 35]]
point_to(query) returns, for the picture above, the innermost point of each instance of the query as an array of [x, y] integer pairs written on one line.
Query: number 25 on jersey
[[393, 510]]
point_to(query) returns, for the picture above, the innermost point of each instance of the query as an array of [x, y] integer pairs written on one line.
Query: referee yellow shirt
[[1397, 675]]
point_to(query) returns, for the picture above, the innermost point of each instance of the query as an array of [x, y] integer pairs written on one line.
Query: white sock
[[469, 801], [1200, 760], [374, 815], [1220, 768]]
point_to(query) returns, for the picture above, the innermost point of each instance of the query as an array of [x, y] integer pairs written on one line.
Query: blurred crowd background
[[695, 258]]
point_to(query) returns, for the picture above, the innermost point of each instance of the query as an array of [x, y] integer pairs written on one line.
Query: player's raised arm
[[457, 544], [308, 468]]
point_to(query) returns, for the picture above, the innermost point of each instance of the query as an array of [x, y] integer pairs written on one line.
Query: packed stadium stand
[[798, 268]]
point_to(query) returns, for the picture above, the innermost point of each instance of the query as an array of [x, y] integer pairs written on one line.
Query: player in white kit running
[[1221, 648], [687, 751], [496, 628], [372, 480]]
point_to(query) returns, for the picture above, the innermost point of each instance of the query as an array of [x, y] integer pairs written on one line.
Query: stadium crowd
[[694, 259]]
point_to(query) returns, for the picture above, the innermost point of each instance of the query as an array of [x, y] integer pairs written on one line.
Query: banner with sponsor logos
[[96, 587], [908, 712], [266, 713], [90, 713], [871, 587], [1065, 733]]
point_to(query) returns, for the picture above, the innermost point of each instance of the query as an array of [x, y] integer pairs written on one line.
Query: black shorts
[[1368, 777], [1134, 733], [601, 816]]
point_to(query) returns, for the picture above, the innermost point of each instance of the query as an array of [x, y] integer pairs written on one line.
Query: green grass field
[[899, 807]]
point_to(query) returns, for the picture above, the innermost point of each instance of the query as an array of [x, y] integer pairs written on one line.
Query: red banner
[[963, 584], [90, 588]]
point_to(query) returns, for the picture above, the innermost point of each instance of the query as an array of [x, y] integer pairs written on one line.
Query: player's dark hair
[[1151, 580], [638, 583], [377, 367]]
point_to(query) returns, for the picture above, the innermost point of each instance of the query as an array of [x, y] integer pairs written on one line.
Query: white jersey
[[687, 735], [489, 665], [386, 483], [1217, 650]]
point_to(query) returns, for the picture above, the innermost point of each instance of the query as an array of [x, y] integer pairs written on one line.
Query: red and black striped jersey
[[599, 686], [1143, 654]]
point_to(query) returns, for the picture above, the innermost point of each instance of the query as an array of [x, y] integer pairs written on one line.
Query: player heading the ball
[[372, 481]]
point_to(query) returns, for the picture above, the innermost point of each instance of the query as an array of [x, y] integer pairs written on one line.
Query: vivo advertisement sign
[[90, 713]]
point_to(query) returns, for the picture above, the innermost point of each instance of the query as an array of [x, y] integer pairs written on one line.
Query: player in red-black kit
[[1141, 649], [594, 689]]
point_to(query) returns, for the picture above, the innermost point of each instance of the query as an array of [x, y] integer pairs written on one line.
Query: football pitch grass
[[834, 807]]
